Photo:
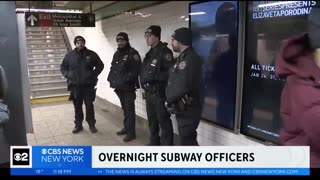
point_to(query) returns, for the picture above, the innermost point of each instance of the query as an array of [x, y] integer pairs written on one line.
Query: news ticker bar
[[165, 171], [151, 160]]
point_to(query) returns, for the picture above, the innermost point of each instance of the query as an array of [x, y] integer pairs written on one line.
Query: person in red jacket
[[299, 63]]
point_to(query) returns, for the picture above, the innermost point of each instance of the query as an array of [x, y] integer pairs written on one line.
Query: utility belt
[[182, 104], [154, 87]]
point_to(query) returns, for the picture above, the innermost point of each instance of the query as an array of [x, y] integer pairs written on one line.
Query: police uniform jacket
[[125, 69], [185, 77], [81, 67], [156, 65]]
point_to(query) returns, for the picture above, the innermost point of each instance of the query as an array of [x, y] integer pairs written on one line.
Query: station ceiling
[[102, 9]]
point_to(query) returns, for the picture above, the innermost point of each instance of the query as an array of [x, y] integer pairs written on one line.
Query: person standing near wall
[[154, 76], [81, 68], [299, 63], [184, 84], [123, 77]]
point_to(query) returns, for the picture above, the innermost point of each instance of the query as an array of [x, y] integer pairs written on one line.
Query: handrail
[[66, 39]]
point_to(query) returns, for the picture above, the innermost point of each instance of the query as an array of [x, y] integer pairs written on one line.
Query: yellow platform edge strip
[[49, 99]]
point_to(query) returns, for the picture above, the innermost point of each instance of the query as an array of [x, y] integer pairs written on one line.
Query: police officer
[[81, 67], [183, 90], [123, 77], [154, 76]]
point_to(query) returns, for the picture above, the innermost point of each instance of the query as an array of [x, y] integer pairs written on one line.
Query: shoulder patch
[[182, 65], [168, 57], [136, 57]]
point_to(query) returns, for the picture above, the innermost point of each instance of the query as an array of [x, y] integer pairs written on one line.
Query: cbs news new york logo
[[20, 157]]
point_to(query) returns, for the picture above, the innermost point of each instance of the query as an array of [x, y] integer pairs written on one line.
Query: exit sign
[[59, 20]]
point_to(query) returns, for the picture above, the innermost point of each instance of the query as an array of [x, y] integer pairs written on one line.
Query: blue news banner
[[77, 160]]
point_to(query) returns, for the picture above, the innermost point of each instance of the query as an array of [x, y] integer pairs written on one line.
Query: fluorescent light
[[147, 15], [222, 35], [276, 3], [187, 19], [182, 17], [48, 10], [137, 14], [197, 13]]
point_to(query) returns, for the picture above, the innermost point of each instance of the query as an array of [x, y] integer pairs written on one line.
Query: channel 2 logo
[[20, 156]]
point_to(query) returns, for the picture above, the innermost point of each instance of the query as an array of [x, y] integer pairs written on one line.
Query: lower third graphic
[[21, 157]]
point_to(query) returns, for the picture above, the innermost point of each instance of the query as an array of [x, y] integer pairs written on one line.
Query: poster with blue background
[[214, 26]]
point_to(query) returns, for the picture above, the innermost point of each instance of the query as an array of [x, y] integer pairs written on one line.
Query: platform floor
[[53, 125]]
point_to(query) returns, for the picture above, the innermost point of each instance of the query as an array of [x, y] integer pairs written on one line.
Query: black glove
[[147, 86], [171, 108], [69, 84], [94, 95], [72, 95]]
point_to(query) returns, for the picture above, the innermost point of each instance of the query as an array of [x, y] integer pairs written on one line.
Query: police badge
[[125, 57], [88, 59], [154, 61], [182, 65]]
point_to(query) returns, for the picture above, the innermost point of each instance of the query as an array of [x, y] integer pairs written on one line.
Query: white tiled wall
[[101, 39]]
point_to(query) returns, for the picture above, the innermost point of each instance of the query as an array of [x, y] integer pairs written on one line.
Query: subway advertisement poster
[[268, 24]]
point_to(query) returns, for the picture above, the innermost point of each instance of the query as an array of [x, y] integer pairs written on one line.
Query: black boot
[[93, 129], [77, 129], [121, 132], [129, 138]]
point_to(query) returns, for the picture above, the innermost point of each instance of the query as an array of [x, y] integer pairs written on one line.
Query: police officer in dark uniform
[[81, 67], [183, 90], [123, 77], [154, 76]]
